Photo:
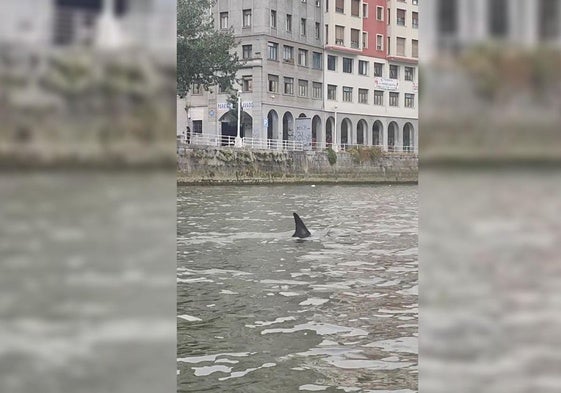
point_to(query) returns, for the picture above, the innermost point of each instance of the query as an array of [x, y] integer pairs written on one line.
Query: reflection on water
[[261, 311]]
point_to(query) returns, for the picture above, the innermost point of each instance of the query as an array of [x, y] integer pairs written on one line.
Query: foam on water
[[305, 309], [189, 318], [314, 301], [320, 329]]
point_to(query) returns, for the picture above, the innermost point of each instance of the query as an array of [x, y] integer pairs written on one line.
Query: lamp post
[[334, 145], [238, 142]]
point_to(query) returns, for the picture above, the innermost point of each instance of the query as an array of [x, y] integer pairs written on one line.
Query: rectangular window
[[196, 89], [548, 15], [363, 67], [289, 86], [355, 7], [415, 2], [247, 51], [347, 94], [340, 6], [415, 20], [302, 88], [273, 83], [339, 35], [326, 34], [365, 10], [273, 19], [317, 90], [409, 100], [317, 30], [347, 65], [331, 92], [289, 23], [197, 126], [394, 71], [246, 18], [379, 13], [378, 69], [400, 46], [318, 3], [332, 63], [288, 55], [273, 49], [364, 40], [400, 17], [355, 37], [316, 60], [447, 18], [379, 42], [409, 73], [497, 17], [394, 98], [247, 83], [303, 57], [379, 97], [415, 48], [363, 96], [223, 20], [303, 26]]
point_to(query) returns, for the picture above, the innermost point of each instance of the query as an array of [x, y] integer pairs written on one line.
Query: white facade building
[[451, 25], [107, 24]]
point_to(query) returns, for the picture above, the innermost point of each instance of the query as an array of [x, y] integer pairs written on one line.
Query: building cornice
[[408, 60], [342, 49]]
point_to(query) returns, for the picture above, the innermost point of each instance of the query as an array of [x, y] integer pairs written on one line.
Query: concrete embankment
[[239, 166]]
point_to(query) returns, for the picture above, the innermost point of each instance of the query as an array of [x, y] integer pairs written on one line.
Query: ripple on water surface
[[335, 312]]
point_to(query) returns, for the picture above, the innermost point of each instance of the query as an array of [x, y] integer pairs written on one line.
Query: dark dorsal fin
[[301, 230]]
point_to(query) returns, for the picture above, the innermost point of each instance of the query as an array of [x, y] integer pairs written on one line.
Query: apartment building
[[281, 43], [452, 25], [326, 60], [149, 24], [370, 89]]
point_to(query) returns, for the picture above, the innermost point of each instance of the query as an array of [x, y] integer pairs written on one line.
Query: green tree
[[204, 54]]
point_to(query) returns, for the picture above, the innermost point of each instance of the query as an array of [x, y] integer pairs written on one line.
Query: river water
[[87, 282], [260, 311]]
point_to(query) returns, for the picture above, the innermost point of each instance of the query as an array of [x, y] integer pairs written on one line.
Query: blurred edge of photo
[[88, 188], [490, 149]]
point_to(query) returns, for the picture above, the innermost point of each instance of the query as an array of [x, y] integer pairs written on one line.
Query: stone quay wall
[[240, 166]]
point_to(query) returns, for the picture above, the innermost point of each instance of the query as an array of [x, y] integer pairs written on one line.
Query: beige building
[[371, 99]]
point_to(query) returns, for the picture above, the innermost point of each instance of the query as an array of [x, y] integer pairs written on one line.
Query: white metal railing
[[251, 143], [275, 144], [212, 140]]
